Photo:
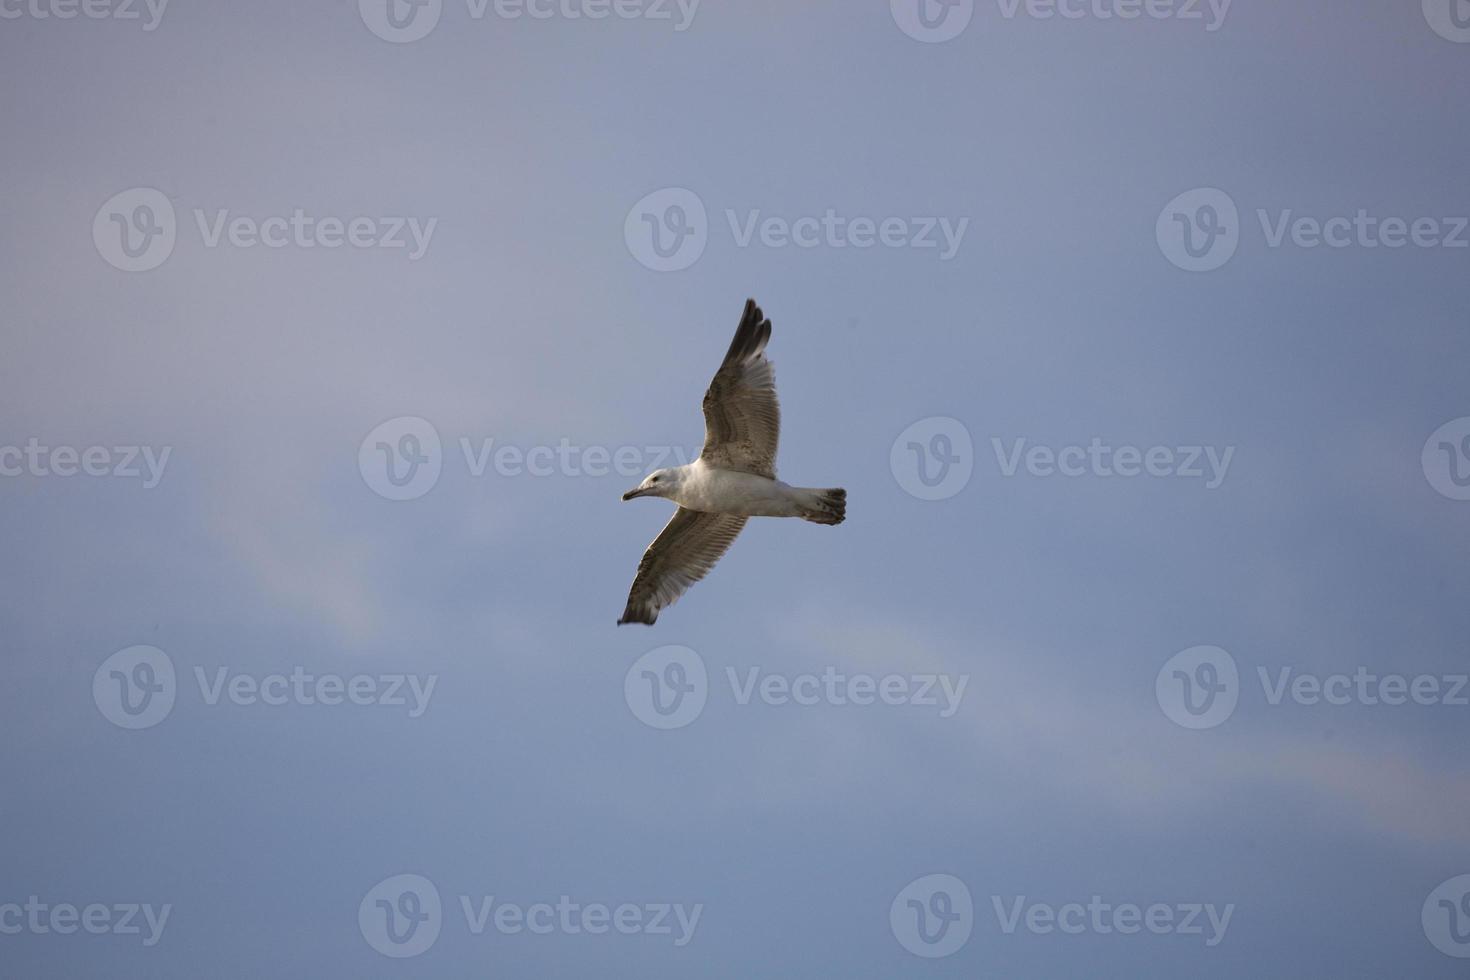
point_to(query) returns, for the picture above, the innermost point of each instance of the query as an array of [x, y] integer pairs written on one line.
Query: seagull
[[733, 479]]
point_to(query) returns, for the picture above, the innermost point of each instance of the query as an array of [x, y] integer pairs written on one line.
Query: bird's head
[[659, 483]]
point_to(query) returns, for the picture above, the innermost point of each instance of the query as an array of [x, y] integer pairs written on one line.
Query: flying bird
[[733, 479]]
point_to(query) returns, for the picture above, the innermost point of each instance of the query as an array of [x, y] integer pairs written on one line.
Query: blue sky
[[1075, 153]]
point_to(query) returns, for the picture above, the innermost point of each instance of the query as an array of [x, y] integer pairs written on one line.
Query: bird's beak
[[635, 492]]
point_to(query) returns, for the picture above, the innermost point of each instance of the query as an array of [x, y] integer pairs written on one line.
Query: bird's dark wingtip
[[752, 316], [751, 335], [631, 615]]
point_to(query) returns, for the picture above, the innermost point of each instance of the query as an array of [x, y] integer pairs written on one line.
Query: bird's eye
[[654, 480]]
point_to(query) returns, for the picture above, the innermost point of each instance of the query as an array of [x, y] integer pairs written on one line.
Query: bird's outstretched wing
[[682, 554], [742, 419]]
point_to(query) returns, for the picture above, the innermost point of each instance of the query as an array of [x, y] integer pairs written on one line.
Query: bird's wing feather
[[742, 419], [682, 554]]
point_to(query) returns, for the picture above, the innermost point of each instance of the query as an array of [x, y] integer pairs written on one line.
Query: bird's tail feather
[[826, 506]]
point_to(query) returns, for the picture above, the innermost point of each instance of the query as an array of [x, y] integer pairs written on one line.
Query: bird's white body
[[712, 490]]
